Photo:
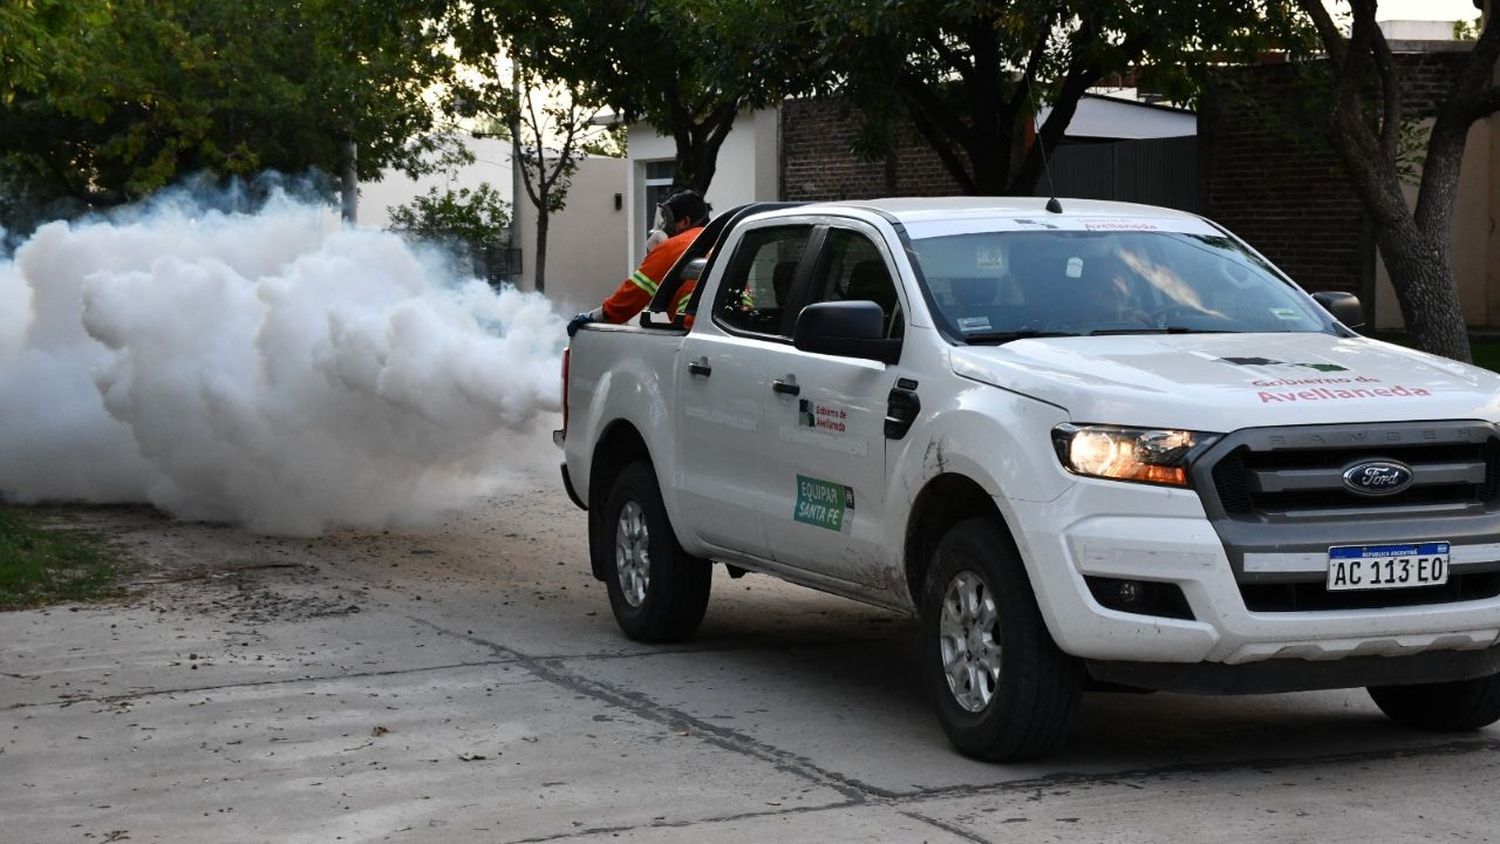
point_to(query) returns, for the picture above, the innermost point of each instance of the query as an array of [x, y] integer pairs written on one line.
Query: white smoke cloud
[[272, 369]]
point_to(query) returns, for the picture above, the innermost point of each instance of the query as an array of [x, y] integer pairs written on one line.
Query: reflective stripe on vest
[[644, 282]]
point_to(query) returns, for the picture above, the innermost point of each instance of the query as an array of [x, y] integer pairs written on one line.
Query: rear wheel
[[1002, 689], [657, 591], [1442, 707]]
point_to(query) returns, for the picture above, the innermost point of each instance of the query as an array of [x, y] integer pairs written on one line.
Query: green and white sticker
[[823, 504]]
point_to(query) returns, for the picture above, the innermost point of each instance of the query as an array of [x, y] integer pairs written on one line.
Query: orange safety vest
[[636, 292]]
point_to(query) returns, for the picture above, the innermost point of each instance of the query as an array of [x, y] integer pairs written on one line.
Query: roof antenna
[[1053, 206]]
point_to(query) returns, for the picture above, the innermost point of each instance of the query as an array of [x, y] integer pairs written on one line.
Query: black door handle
[[785, 389], [700, 369]]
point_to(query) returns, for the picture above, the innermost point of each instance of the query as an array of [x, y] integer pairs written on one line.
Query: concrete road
[[466, 683]]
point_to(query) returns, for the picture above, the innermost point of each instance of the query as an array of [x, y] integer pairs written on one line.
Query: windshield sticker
[[989, 257], [1075, 267], [969, 324], [1324, 394], [1286, 313], [823, 504], [824, 417]]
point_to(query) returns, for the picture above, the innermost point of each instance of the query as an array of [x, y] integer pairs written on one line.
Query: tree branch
[[1328, 31], [932, 108], [1390, 93], [1033, 64]]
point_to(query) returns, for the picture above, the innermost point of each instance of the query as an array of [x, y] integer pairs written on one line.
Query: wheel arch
[[620, 445], [945, 500]]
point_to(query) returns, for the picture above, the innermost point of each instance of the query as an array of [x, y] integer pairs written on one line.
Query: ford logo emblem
[[1377, 477]]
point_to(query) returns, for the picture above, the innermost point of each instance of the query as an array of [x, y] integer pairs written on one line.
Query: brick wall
[[818, 162], [1271, 177]]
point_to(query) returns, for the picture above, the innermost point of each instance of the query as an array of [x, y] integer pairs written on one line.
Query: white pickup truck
[[1091, 445]]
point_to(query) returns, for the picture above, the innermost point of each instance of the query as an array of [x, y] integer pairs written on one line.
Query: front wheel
[[657, 591], [1453, 707], [1003, 690]]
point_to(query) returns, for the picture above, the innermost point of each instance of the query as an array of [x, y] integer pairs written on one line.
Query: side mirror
[[1345, 307], [693, 270], [846, 329]]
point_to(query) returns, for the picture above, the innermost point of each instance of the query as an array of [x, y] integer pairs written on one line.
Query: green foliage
[[686, 68], [41, 566], [1467, 30], [146, 91], [970, 74], [478, 217], [34, 44]]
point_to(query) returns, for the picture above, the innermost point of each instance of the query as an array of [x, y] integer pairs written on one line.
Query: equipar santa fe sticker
[[823, 504], [1330, 387]]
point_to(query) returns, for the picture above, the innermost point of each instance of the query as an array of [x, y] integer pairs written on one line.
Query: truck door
[[722, 382], [825, 425]]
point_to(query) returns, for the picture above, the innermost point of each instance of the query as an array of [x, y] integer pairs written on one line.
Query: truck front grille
[[1277, 496], [1281, 482]]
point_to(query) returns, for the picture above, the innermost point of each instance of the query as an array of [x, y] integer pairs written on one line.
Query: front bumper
[[1137, 532]]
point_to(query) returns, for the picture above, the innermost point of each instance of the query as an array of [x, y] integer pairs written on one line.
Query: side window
[[758, 279], [850, 267]]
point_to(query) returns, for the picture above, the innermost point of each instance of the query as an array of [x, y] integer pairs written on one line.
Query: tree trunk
[[349, 181], [542, 220], [1421, 268]]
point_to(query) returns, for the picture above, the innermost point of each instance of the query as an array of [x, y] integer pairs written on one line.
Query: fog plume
[[272, 369]]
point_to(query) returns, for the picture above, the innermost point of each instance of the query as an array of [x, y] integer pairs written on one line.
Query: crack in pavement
[[250, 684], [738, 647], [948, 827], [642, 706], [860, 793]]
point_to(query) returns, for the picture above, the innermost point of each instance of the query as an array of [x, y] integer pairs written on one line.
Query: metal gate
[[1156, 171]]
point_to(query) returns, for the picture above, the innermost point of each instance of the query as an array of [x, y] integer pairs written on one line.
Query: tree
[[1365, 129], [687, 68], [164, 88], [970, 74], [33, 45], [552, 128], [475, 223]]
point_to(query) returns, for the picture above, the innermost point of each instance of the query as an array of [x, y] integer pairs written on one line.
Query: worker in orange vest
[[683, 215]]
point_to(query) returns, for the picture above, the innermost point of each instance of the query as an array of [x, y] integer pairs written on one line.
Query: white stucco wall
[[746, 172], [586, 241], [491, 164]]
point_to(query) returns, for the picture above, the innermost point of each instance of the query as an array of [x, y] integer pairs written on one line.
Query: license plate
[[1387, 566]]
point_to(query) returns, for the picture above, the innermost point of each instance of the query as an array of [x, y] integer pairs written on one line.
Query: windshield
[[1001, 285]]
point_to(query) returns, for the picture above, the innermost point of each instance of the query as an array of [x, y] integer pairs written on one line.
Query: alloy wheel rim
[[969, 640], [633, 553]]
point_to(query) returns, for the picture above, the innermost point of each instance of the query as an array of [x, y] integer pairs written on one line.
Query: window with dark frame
[[758, 280]]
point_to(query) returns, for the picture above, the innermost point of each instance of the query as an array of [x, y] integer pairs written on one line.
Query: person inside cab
[[683, 216]]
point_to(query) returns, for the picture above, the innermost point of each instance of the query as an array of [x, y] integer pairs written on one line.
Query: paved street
[[466, 683]]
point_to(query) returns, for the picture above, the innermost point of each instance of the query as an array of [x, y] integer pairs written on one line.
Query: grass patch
[[1487, 354], [40, 566]]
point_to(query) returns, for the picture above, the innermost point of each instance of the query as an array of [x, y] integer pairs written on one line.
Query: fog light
[[1142, 597]]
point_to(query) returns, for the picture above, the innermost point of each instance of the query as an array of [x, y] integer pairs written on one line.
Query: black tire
[[1031, 708], [1454, 707], [669, 604]]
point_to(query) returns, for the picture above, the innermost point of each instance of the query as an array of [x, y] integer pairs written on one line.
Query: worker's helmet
[[685, 203]]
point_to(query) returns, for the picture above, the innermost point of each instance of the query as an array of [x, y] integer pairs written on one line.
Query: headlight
[[1143, 455]]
